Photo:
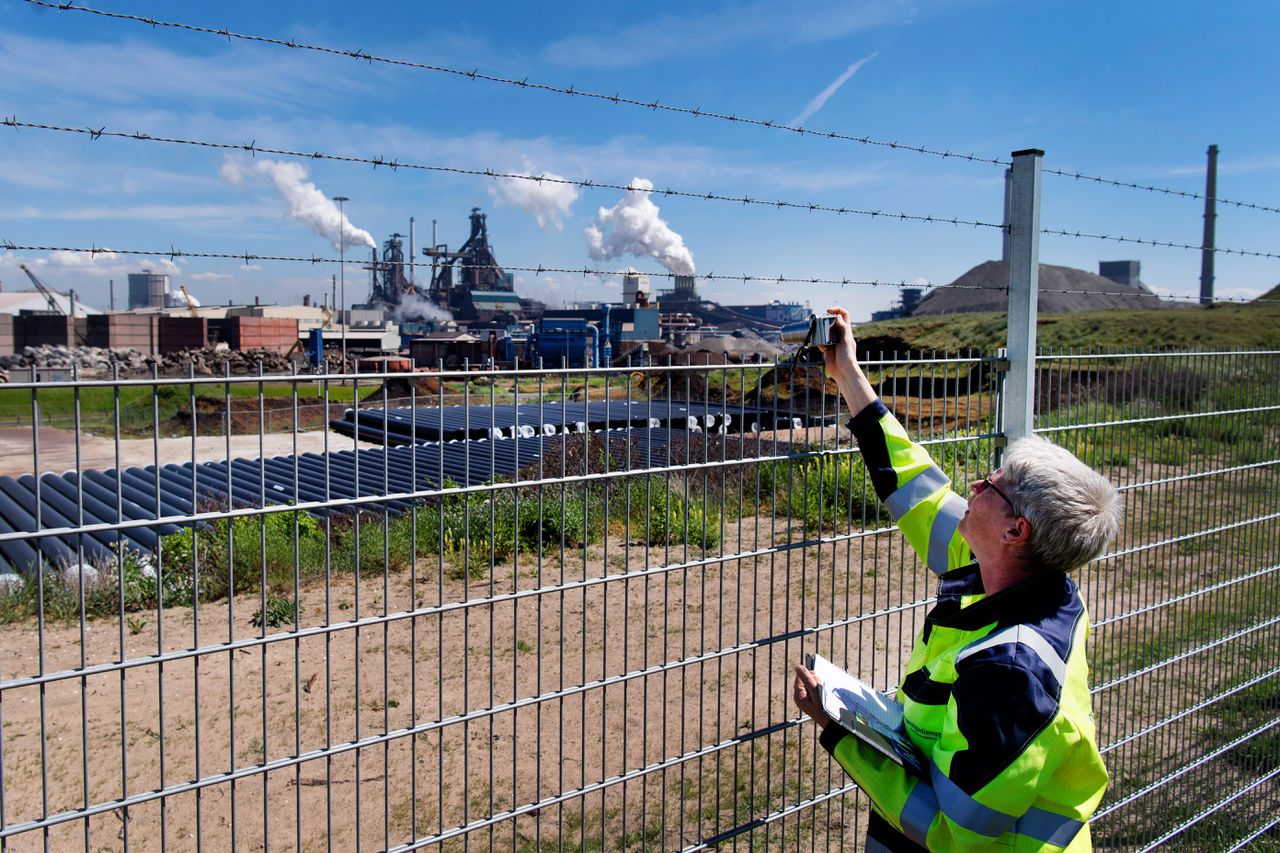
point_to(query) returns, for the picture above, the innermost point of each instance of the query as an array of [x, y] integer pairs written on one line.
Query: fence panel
[[560, 611], [1186, 608]]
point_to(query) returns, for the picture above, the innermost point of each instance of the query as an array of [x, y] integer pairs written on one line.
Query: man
[[996, 691]]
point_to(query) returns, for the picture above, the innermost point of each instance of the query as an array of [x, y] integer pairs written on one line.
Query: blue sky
[[1134, 91]]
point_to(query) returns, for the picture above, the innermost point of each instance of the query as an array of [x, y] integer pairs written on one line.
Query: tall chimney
[[306, 300], [1210, 215], [413, 259]]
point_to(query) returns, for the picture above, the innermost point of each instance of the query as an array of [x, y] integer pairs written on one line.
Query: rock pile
[[88, 359], [99, 362], [212, 361]]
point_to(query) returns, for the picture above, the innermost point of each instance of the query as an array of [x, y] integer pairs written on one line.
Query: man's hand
[[841, 356], [841, 360], [805, 694]]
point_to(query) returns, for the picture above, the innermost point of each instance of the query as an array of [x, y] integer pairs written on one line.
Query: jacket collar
[[1015, 604]]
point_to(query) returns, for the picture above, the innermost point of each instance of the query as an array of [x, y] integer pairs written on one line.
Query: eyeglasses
[[987, 484]]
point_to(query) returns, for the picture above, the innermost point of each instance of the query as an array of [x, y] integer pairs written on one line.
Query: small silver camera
[[808, 335], [816, 331], [823, 326]]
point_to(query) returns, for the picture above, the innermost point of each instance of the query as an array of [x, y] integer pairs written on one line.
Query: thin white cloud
[[734, 24], [160, 212], [820, 100], [547, 201], [557, 290], [1227, 166], [134, 71], [102, 264], [210, 276]]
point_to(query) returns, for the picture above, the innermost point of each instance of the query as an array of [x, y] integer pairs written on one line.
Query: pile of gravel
[[1062, 289], [95, 359], [99, 362]]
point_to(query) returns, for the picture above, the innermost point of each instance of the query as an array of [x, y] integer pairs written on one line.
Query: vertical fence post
[[1023, 227]]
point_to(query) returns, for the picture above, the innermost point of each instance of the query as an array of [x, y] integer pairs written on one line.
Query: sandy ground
[[58, 449], [493, 697], [475, 708]]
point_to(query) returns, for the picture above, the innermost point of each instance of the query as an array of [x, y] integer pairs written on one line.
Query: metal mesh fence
[[1185, 610], [554, 609]]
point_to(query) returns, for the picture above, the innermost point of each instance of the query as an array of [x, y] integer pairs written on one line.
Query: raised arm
[[842, 364], [912, 488]]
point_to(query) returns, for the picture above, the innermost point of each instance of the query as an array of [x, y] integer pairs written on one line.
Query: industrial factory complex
[[460, 307]]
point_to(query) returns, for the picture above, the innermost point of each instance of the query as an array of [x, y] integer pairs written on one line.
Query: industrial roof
[[13, 301]]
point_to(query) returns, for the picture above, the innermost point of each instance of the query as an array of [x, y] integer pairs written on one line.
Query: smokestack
[[111, 290], [1210, 215], [306, 300], [257, 300], [413, 259]]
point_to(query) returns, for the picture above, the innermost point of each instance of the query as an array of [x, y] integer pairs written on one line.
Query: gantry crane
[[44, 291]]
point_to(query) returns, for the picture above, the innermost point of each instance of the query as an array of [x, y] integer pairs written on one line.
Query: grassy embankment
[[1220, 327]]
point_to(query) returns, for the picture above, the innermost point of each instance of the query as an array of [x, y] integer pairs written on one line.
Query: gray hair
[[1074, 511]]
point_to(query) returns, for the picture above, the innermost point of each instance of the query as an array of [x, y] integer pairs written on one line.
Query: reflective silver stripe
[[926, 801], [916, 489], [944, 527], [1028, 637], [919, 811], [966, 811], [1048, 827]]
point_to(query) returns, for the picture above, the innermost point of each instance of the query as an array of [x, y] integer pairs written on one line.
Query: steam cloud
[[307, 204], [547, 202], [634, 226], [413, 307]]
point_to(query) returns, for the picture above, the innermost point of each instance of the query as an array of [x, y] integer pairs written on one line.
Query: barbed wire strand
[[1133, 185], [248, 257], [1142, 241], [571, 91], [653, 105], [254, 149], [174, 253]]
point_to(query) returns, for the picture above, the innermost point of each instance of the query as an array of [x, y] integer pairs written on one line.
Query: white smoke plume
[[548, 202], [307, 204], [415, 308], [634, 226]]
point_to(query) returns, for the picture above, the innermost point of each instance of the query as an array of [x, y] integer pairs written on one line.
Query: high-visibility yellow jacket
[[995, 693]]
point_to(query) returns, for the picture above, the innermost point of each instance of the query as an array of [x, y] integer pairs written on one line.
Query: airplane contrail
[[825, 95]]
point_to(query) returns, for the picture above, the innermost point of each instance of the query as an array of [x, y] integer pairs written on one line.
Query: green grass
[[477, 530], [1224, 326]]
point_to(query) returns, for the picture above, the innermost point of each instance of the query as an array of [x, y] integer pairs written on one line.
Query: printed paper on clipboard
[[867, 714]]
